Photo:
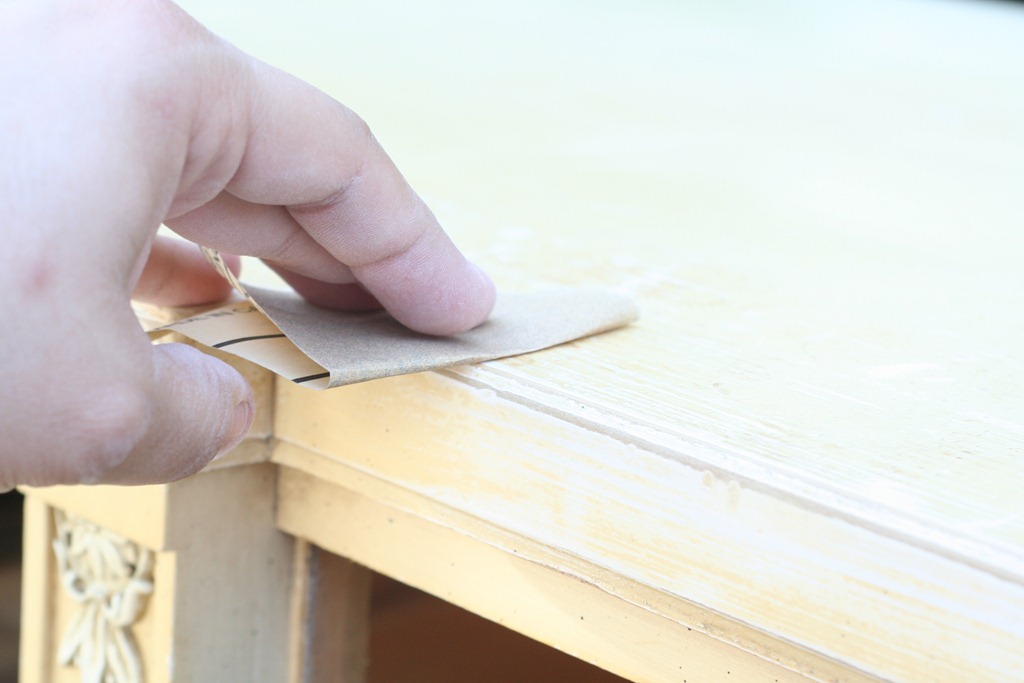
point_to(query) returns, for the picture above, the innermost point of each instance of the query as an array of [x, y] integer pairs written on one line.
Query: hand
[[117, 116]]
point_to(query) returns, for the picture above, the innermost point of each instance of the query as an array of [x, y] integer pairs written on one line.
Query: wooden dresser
[[805, 462]]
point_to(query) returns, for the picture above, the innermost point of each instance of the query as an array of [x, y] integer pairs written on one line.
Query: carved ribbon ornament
[[110, 578]]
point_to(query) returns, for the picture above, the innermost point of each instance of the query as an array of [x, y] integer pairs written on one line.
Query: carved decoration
[[110, 578]]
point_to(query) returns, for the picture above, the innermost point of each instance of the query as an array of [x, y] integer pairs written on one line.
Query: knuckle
[[104, 431]]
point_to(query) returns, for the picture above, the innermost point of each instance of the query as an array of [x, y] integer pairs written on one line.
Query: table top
[[817, 207]]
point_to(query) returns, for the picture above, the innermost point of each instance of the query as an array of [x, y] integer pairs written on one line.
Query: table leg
[[219, 593], [332, 615]]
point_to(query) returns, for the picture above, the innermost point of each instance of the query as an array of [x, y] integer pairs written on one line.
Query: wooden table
[[804, 463]]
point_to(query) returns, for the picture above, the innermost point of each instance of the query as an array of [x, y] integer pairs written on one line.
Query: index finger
[[311, 154]]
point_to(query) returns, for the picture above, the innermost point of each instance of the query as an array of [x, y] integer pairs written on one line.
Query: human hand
[[118, 116]]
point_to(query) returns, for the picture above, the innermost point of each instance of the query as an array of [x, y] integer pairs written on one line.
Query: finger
[[235, 226], [341, 296], [177, 274], [124, 411], [202, 408], [308, 152]]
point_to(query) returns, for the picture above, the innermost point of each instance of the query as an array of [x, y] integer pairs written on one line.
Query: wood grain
[[804, 459]]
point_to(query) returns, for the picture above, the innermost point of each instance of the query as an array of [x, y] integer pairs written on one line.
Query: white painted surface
[[818, 206]]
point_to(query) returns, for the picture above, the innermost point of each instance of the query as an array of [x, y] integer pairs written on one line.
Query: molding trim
[[110, 578]]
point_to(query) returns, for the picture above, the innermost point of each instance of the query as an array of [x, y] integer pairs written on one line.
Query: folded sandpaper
[[323, 348]]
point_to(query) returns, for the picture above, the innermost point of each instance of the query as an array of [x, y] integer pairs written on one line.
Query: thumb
[[201, 408]]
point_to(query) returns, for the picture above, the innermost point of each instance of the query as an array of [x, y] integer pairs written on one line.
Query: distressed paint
[[815, 427]]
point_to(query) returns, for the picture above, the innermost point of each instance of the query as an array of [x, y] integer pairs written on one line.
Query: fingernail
[[241, 420]]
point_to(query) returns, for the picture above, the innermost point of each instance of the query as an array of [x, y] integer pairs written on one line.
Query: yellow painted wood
[[817, 207], [330, 619], [655, 519], [38, 595], [815, 427], [573, 615], [808, 449], [221, 602]]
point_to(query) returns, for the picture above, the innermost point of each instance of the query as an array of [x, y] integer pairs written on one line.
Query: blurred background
[[10, 583]]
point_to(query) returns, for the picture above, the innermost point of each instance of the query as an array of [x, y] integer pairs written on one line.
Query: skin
[[117, 116]]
